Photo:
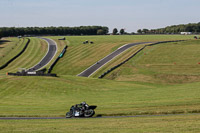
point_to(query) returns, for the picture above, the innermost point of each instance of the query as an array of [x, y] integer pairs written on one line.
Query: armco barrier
[[60, 56], [113, 68], [7, 63]]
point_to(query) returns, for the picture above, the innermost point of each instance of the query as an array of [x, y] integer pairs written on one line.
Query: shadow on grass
[[3, 41]]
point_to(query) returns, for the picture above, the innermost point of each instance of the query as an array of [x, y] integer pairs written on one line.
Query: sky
[[128, 14]]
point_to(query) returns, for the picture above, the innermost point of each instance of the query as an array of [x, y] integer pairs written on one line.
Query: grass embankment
[[10, 47], [48, 96], [163, 63], [119, 59], [80, 56], [35, 51], [176, 124]]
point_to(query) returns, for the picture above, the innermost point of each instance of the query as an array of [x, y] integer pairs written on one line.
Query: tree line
[[174, 29], [82, 30]]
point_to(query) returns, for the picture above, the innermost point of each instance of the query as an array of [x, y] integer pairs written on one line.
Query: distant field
[[164, 63], [80, 56], [158, 124], [35, 51]]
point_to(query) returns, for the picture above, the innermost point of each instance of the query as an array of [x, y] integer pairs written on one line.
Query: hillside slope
[[163, 63], [50, 96], [10, 47], [80, 56], [35, 51]]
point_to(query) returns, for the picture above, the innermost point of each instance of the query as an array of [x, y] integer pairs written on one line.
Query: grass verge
[[154, 124]]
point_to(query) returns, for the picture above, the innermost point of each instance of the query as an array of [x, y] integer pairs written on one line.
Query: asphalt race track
[[53, 118], [52, 50], [88, 72]]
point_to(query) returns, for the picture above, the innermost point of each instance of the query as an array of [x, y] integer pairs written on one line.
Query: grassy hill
[[164, 63], [10, 47], [136, 87], [49, 96], [161, 79], [80, 56]]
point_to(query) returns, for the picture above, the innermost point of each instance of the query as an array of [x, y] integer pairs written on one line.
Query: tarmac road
[[88, 72], [52, 50], [53, 118]]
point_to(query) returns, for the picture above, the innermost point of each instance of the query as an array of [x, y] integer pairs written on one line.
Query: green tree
[[122, 31], [145, 31], [82, 30], [139, 31], [115, 31]]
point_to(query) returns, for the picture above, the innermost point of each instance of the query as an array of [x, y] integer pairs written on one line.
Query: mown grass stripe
[[35, 51], [78, 58], [16, 56], [9, 49]]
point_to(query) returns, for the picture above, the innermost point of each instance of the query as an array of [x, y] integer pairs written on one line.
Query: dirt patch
[[4, 41]]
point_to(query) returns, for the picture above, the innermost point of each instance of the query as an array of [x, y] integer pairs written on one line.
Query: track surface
[[53, 118], [88, 72], [48, 57]]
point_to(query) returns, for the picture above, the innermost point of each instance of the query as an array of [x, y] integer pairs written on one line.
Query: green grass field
[[176, 124], [164, 63], [161, 79], [48, 96]]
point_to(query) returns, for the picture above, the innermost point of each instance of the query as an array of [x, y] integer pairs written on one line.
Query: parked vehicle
[[81, 110]]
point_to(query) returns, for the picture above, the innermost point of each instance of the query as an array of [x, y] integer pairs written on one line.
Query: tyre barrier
[[28, 74], [113, 68], [57, 59], [15, 57]]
